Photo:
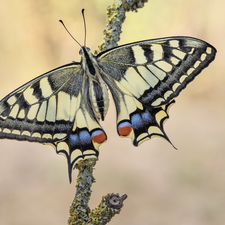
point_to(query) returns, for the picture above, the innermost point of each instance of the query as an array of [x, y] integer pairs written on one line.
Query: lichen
[[116, 17]]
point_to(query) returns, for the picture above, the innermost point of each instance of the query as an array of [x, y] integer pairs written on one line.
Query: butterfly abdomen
[[99, 98], [98, 92]]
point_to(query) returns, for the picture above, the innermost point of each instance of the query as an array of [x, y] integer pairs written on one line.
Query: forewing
[[41, 110], [155, 71]]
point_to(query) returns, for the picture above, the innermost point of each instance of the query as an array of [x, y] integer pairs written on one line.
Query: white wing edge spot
[[209, 50], [59, 136], [190, 71], [6, 130], [47, 136], [182, 78], [175, 86], [16, 132], [36, 134], [197, 64], [167, 94], [203, 56], [157, 101], [192, 51], [26, 133]]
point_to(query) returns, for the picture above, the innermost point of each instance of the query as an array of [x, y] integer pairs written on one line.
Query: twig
[[111, 204], [116, 17], [80, 213]]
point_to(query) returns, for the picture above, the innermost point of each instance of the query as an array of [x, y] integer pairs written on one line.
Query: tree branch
[[116, 17], [111, 204]]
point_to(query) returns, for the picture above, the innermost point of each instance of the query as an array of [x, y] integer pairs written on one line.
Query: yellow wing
[[144, 77], [54, 109]]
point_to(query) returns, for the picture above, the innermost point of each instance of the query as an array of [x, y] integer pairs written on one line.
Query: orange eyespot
[[124, 129], [98, 137]]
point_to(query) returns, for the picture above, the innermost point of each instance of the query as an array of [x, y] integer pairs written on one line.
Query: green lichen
[[80, 213], [105, 211], [116, 16], [133, 5], [79, 209]]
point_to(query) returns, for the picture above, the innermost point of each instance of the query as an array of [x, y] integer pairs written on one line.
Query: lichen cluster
[[80, 213], [116, 16]]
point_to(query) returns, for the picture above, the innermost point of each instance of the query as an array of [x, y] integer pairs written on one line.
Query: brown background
[[164, 186]]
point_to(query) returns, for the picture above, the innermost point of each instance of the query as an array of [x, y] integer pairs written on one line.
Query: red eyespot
[[124, 129]]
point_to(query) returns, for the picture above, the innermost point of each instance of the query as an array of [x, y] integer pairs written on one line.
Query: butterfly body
[[98, 92], [63, 106]]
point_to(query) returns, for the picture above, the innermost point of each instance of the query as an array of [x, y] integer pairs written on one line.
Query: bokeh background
[[164, 186]]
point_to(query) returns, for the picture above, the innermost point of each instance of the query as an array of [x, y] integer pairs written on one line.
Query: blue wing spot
[[136, 121], [85, 137], [74, 140], [146, 116]]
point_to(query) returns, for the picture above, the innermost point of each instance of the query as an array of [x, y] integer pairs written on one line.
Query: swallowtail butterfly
[[63, 106]]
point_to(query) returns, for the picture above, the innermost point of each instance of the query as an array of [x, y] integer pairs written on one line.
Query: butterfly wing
[[54, 109], [145, 76]]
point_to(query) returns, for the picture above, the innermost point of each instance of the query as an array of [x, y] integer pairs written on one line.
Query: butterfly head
[[88, 61], [83, 50], [85, 53]]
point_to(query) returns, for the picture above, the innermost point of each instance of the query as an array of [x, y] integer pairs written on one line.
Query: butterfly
[[63, 107]]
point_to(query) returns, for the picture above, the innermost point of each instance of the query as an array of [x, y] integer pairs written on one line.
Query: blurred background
[[164, 186]]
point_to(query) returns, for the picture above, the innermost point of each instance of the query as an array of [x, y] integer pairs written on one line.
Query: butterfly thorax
[[98, 92]]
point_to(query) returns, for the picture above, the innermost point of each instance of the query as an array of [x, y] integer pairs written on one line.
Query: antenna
[[69, 32], [84, 27]]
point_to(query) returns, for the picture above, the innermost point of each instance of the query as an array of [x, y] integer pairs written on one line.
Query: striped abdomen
[[99, 98]]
